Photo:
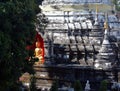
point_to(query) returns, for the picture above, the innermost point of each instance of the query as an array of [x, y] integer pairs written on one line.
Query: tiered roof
[[76, 36]]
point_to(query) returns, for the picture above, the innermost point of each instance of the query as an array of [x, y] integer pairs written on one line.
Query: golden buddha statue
[[39, 53]]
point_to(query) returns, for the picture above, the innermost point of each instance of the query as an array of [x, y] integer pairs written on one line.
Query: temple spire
[[96, 18], [96, 9], [106, 23], [106, 55]]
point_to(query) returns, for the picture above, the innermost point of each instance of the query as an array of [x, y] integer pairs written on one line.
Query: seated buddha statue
[[39, 53]]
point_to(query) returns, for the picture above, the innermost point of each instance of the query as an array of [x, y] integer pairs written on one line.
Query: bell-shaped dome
[[106, 55]]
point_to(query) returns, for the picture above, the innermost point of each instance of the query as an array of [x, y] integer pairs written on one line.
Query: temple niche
[[77, 43]]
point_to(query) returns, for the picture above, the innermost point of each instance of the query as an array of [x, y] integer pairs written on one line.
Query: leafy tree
[[77, 86], [32, 84], [17, 30], [115, 2], [54, 86], [103, 85]]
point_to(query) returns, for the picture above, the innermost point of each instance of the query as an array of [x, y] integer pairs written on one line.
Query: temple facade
[[78, 42]]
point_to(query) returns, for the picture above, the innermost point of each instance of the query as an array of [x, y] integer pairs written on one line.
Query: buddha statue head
[[38, 44]]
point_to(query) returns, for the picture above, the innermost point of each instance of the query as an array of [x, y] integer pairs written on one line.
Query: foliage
[[32, 84], [117, 6], [17, 30], [43, 21], [77, 86], [54, 86], [103, 85]]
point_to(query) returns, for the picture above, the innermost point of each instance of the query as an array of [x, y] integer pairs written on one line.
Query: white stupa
[[87, 86]]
